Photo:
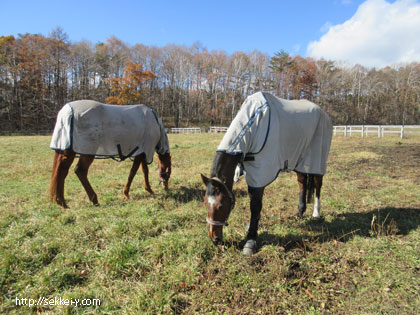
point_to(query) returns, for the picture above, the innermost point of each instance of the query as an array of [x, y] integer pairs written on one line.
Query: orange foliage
[[126, 90]]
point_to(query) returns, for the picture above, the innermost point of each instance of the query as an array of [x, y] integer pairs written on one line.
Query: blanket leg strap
[[122, 156]]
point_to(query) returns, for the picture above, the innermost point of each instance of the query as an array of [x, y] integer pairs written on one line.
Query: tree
[[31, 73], [281, 64], [59, 52], [7, 77], [126, 90], [83, 75]]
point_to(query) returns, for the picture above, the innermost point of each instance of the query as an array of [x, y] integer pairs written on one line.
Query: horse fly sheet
[[276, 135], [92, 128]]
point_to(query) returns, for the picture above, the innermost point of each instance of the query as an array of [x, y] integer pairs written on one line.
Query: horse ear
[[217, 184], [205, 179]]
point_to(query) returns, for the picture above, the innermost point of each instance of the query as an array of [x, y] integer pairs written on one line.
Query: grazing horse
[[268, 135], [94, 130]]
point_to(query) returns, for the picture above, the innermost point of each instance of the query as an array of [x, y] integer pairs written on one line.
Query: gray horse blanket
[[92, 128], [276, 135]]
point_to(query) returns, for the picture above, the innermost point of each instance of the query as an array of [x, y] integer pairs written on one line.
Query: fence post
[[402, 132], [345, 131], [363, 131]]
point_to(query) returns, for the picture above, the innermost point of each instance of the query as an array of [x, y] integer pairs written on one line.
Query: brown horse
[[269, 135], [91, 129]]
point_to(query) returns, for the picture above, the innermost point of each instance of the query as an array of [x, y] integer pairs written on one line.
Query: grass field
[[152, 255]]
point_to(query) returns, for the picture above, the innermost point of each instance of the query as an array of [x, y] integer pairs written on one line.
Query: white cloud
[[379, 34], [326, 27]]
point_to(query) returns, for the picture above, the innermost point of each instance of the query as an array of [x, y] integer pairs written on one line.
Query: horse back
[[112, 130]]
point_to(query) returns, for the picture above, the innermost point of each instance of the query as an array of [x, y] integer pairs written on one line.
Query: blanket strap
[[122, 156], [249, 157]]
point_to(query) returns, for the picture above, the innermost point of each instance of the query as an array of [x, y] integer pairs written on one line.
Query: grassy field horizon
[[151, 254]]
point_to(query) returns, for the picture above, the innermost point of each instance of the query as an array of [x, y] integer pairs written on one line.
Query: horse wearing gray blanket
[[94, 130], [269, 135]]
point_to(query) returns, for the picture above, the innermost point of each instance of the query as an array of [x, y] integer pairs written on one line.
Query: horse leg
[[54, 174], [145, 170], [62, 163], [302, 181], [255, 196], [317, 205], [81, 171], [134, 168]]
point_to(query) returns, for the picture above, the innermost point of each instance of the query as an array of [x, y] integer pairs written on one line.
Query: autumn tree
[[7, 78], [31, 70], [127, 89], [59, 52]]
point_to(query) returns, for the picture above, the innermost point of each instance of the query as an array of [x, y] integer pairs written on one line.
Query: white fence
[[362, 130], [218, 129], [197, 130], [184, 130], [347, 130], [26, 132], [378, 130]]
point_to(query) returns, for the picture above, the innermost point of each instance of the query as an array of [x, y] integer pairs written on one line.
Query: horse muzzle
[[216, 234], [164, 183]]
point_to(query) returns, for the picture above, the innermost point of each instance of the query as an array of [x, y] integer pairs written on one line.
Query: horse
[[90, 130], [269, 135]]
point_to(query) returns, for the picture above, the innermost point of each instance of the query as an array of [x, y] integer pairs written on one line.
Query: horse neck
[[224, 167], [163, 145]]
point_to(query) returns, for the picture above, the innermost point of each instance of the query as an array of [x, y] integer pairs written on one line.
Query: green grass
[[152, 254]]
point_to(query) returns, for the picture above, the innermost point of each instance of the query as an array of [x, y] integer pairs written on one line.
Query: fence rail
[[184, 130], [25, 132], [379, 130], [218, 129], [346, 130]]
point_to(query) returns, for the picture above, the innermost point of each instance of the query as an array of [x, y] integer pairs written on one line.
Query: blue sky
[[265, 25]]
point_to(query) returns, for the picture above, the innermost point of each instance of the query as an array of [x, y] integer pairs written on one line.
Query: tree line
[[190, 86]]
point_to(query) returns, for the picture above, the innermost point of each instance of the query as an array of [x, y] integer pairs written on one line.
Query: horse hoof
[[250, 248], [299, 215], [62, 204]]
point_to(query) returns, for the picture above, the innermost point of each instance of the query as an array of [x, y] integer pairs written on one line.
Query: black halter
[[162, 180]]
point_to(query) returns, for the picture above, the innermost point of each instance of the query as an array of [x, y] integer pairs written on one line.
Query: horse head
[[219, 201], [165, 168]]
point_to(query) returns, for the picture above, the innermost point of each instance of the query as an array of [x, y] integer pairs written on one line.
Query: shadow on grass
[[384, 221], [185, 194], [346, 226]]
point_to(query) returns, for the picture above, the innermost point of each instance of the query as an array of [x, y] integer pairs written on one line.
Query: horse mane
[[223, 167]]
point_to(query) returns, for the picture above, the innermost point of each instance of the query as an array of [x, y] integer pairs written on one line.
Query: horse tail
[[54, 176], [310, 188]]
